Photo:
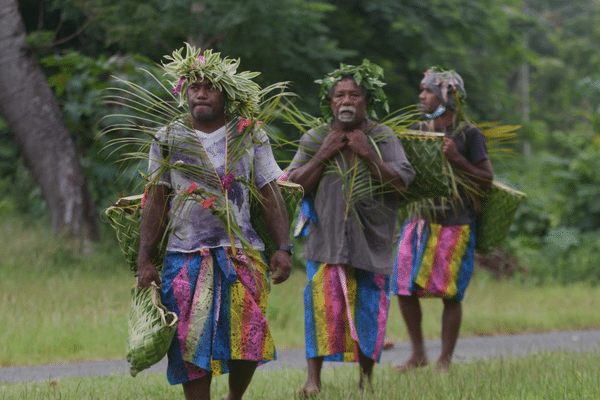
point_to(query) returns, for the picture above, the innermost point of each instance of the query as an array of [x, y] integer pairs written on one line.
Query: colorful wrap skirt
[[434, 260], [221, 300], [344, 308]]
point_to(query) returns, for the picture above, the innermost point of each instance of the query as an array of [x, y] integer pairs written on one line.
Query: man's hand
[[147, 274], [333, 143], [450, 150], [359, 143], [281, 266]]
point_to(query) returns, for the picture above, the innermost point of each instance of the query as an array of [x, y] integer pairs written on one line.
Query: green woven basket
[[292, 195], [497, 213], [424, 150], [151, 329], [124, 217]]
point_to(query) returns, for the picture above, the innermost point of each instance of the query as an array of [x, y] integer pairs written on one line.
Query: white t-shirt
[[187, 152]]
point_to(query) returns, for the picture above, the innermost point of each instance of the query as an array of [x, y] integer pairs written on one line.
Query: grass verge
[[548, 376]]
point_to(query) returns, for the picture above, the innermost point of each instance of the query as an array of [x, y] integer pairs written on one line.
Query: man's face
[[428, 101], [348, 103], [206, 102]]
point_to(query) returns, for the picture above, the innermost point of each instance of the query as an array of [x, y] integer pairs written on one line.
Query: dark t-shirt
[[471, 144]]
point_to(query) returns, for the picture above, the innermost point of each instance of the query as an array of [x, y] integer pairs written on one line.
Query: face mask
[[439, 111]]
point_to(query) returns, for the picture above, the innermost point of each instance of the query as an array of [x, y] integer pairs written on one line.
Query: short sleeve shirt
[[183, 156], [361, 236]]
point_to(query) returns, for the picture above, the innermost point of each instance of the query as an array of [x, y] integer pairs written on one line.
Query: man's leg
[[410, 308], [198, 389], [451, 320], [366, 370], [240, 375], [313, 380]]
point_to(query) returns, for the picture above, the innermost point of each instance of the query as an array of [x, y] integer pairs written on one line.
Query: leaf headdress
[[367, 74], [243, 95]]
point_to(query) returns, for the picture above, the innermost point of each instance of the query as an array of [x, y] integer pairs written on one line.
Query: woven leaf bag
[[424, 150], [150, 329], [124, 217], [497, 214]]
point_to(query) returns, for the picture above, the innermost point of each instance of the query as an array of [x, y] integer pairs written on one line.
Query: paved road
[[466, 349]]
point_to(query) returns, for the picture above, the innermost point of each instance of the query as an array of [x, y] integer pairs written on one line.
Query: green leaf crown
[[366, 75], [243, 95]]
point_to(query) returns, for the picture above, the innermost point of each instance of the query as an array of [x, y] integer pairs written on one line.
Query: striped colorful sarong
[[434, 260], [344, 308], [221, 300]]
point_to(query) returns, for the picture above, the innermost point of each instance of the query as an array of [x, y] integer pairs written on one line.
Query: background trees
[[529, 62]]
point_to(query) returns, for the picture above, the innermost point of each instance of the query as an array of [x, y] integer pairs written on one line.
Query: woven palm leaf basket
[[424, 150], [150, 329], [124, 217], [497, 214]]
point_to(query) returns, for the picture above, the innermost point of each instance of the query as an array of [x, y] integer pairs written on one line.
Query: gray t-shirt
[[192, 227], [362, 236]]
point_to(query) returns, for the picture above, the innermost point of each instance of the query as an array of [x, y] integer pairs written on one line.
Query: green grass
[[58, 307], [542, 376]]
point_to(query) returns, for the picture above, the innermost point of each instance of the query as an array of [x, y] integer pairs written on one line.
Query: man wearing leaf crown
[[204, 167], [435, 253], [354, 169]]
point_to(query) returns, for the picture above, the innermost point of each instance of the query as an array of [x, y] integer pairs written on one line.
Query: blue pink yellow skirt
[[344, 309], [221, 300], [434, 260]]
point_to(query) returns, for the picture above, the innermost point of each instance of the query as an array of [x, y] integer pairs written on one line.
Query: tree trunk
[[35, 119]]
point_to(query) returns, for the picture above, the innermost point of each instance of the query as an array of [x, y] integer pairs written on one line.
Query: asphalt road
[[468, 348]]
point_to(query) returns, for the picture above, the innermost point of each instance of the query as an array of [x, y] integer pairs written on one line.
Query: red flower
[[145, 197], [244, 123], [208, 202], [191, 189], [227, 180]]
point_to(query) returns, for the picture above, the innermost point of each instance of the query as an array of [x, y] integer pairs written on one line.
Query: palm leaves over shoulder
[[498, 137], [357, 180], [145, 118]]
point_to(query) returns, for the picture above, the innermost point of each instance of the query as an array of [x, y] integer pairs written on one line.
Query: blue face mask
[[438, 111]]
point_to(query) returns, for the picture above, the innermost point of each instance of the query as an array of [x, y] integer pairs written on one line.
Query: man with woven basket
[[435, 253], [203, 169], [354, 169]]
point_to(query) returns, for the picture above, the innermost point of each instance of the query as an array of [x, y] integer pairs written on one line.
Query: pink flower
[[244, 123], [191, 189], [200, 60], [283, 177], [145, 197], [177, 89], [227, 180], [208, 202]]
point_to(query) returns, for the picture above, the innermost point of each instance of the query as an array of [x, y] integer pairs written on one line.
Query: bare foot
[[411, 364], [308, 392], [442, 367]]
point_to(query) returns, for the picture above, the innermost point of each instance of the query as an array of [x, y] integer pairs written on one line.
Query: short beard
[[344, 117]]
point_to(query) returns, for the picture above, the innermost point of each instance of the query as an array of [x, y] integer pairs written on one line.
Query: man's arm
[[481, 173], [309, 174], [275, 216], [154, 222]]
